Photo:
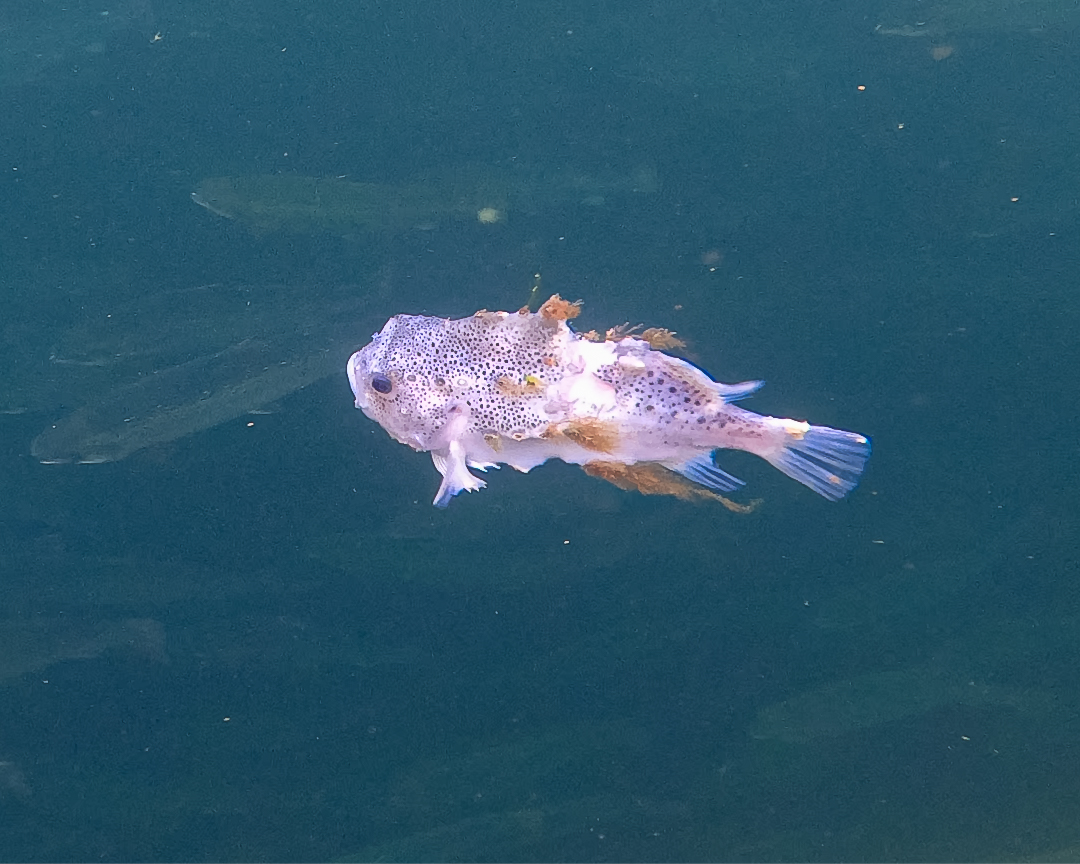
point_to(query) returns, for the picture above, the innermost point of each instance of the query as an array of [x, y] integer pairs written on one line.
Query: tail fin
[[829, 461]]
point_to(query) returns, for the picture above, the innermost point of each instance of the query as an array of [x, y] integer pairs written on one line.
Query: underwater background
[[233, 627]]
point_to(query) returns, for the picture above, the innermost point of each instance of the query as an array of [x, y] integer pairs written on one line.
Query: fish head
[[403, 382]]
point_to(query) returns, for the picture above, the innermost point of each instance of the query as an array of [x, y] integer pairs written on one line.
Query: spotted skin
[[521, 388]]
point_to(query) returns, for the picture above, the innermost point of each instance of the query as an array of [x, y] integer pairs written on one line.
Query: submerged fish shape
[[519, 388]]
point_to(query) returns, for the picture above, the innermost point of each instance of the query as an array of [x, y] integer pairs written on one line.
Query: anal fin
[[652, 478], [702, 469]]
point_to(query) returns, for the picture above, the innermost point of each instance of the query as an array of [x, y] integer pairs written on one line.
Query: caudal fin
[[829, 461]]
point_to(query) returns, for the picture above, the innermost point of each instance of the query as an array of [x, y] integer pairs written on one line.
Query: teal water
[[256, 640]]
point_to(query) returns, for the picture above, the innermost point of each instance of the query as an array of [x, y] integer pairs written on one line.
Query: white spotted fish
[[519, 388]]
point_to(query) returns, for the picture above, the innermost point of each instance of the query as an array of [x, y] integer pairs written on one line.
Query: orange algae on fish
[[657, 337], [557, 309], [661, 339], [532, 386], [588, 432], [651, 478]]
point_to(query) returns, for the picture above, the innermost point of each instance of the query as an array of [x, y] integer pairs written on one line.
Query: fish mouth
[[202, 202], [358, 376]]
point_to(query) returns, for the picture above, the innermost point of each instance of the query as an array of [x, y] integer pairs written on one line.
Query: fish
[[177, 362], [520, 388], [13, 782], [483, 194], [34, 644], [180, 400], [850, 705], [932, 19], [298, 204]]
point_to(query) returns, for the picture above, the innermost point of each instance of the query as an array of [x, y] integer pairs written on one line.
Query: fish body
[[521, 388]]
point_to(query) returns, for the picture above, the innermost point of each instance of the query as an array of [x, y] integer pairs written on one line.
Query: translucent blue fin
[[735, 392], [829, 461], [701, 469]]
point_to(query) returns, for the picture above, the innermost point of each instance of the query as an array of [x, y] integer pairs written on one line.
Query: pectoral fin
[[452, 464]]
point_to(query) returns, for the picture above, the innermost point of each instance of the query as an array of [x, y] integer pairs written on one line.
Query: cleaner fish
[[519, 388]]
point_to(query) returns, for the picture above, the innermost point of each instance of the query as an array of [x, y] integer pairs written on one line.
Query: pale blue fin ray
[[735, 392], [829, 461], [701, 469]]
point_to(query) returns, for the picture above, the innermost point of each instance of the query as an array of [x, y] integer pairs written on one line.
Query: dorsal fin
[[735, 392]]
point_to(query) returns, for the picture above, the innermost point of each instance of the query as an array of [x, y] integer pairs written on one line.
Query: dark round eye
[[381, 384]]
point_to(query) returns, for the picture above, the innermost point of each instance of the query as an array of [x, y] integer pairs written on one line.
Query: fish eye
[[381, 384]]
